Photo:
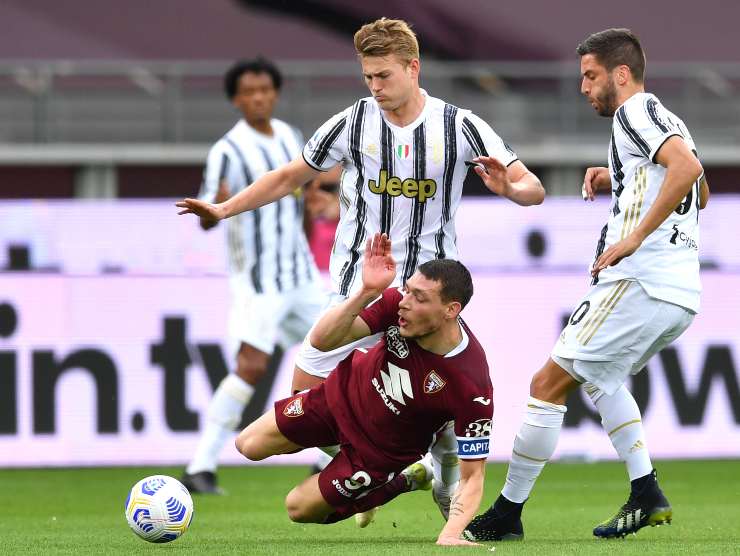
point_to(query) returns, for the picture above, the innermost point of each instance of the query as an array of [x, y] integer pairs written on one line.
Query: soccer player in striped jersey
[[403, 153], [275, 286], [644, 293]]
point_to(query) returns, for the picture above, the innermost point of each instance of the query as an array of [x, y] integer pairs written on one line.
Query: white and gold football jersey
[[667, 262]]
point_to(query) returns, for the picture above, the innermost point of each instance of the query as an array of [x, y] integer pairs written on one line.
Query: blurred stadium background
[[113, 309]]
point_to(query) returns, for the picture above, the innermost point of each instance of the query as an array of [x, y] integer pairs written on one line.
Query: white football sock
[[330, 451], [622, 421], [223, 416], [322, 459], [445, 463], [533, 447]]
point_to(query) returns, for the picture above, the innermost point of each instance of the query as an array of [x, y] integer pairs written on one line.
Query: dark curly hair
[[257, 65]]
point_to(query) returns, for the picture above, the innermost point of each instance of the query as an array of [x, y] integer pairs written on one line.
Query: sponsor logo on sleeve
[[681, 238], [472, 447], [482, 400]]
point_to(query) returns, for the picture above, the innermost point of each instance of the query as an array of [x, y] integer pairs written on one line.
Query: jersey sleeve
[[383, 312], [328, 146], [647, 125], [216, 170], [473, 419], [481, 140]]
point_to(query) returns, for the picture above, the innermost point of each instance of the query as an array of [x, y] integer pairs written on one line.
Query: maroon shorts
[[306, 420]]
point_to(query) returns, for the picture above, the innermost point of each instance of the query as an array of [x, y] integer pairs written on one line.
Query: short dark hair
[[616, 47], [257, 65], [457, 284]]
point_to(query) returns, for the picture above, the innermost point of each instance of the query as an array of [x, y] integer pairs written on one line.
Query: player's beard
[[608, 99]]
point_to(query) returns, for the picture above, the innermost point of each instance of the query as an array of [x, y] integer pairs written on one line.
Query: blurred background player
[[644, 294], [403, 153], [384, 405], [322, 215], [275, 286]]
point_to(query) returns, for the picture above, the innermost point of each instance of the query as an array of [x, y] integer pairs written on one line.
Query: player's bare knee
[[248, 444], [544, 386], [297, 508], [552, 384]]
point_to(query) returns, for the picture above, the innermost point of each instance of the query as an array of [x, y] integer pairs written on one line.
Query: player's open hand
[[455, 541], [200, 208], [616, 253], [596, 178], [379, 268], [494, 175]]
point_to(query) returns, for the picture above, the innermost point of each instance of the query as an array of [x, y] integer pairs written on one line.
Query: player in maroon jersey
[[384, 405]]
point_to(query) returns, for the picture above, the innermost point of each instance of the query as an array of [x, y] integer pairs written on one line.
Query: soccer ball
[[159, 508]]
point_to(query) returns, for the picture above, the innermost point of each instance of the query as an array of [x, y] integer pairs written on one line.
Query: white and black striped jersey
[[266, 245], [404, 181], [667, 262]]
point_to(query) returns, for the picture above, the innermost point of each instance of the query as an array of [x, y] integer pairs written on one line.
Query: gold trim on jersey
[[601, 313], [632, 214]]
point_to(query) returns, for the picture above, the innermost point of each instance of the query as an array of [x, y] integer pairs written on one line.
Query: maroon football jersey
[[390, 400]]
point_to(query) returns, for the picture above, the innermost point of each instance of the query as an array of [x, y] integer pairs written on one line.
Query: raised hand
[[379, 268], [493, 174]]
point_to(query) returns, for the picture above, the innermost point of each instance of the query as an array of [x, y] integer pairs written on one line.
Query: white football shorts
[[613, 332], [264, 320], [321, 363]]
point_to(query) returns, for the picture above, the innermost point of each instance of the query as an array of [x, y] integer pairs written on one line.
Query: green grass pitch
[[80, 511]]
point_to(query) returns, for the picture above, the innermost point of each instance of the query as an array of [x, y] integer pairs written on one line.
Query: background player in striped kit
[[276, 292], [403, 154], [644, 294]]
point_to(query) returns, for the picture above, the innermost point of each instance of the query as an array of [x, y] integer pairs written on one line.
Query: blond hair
[[387, 36]]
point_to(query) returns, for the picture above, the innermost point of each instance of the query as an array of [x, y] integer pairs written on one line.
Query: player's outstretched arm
[[342, 324], [269, 187], [682, 171], [515, 182], [465, 502]]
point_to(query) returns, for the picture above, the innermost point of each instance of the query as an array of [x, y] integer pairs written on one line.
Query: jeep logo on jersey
[[433, 383], [396, 383], [395, 343], [410, 188], [294, 408]]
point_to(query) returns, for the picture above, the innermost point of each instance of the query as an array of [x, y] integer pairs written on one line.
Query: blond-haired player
[[403, 153]]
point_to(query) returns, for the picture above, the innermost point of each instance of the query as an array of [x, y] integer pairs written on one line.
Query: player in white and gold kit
[[644, 293]]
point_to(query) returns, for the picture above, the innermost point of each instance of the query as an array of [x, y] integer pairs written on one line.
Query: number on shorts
[[358, 480], [583, 308]]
